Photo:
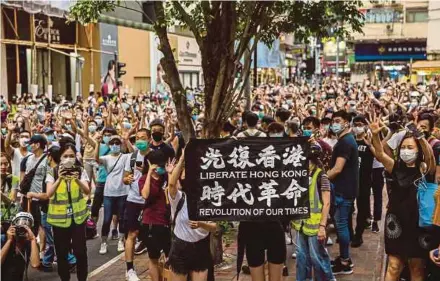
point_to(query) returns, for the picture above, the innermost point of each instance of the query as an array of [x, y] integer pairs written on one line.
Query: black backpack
[[25, 184]]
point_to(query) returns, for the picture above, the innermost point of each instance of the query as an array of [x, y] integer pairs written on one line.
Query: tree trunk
[[216, 244]]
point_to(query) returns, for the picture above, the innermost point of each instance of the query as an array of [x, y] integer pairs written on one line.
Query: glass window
[[417, 16]]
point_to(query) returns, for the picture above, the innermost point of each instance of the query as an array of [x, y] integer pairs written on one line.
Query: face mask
[[313, 112], [276, 135], [69, 127], [337, 128], [157, 136], [50, 138], [261, 115], [141, 145], [408, 155], [92, 128], [307, 133], [68, 162], [358, 130], [126, 125], [115, 148], [160, 171], [98, 121], [29, 148], [4, 131], [125, 106], [326, 127], [323, 97], [106, 139], [23, 142], [438, 93]]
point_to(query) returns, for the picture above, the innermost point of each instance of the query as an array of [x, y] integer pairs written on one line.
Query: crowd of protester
[[62, 161]]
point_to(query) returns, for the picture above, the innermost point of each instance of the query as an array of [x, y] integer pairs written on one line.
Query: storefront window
[[416, 16]]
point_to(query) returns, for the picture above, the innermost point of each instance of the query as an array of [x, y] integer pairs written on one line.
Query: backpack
[[25, 184], [90, 229], [257, 134]]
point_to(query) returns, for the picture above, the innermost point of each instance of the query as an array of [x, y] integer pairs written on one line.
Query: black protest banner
[[247, 179]]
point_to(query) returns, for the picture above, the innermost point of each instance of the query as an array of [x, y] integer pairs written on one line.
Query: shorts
[[157, 238], [186, 256], [131, 216], [261, 236]]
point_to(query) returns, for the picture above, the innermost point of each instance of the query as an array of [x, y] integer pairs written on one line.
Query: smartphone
[[436, 253], [411, 127]]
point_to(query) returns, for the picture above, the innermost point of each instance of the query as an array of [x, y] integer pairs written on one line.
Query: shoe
[[340, 269], [131, 275], [103, 249], [357, 242], [121, 246], [294, 255], [329, 242], [375, 227], [368, 224], [288, 239], [338, 260], [115, 234], [285, 271], [45, 267], [96, 236], [245, 269], [140, 248]]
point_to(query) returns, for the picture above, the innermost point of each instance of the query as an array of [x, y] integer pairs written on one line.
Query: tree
[[227, 33]]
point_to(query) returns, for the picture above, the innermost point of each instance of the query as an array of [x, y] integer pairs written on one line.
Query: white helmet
[[23, 218]]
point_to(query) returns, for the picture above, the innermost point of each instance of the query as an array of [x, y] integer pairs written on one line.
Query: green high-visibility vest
[[7, 187], [310, 226], [59, 205]]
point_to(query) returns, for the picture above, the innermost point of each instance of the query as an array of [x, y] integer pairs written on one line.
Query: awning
[[53, 8], [423, 64]]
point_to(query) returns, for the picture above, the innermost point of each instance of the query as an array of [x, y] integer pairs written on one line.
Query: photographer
[[19, 249], [67, 213]]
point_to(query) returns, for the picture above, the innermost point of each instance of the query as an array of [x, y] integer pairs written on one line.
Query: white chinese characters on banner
[[294, 191], [213, 194], [241, 192], [213, 157], [293, 155], [268, 156], [240, 157], [268, 192]]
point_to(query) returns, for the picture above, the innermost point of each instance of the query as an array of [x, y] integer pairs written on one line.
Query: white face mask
[[23, 142], [358, 130], [408, 155], [68, 162]]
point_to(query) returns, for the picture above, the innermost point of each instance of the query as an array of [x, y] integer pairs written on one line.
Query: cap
[[157, 122], [47, 130], [38, 139], [115, 137]]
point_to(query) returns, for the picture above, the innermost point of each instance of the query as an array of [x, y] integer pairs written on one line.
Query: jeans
[[49, 254], [112, 204], [73, 237], [377, 186], [312, 254], [342, 216]]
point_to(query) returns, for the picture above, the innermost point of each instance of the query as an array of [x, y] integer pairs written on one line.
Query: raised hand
[[171, 164], [10, 125]]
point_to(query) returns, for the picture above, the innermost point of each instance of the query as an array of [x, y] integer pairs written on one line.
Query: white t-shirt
[[133, 191], [114, 185], [330, 141], [396, 139], [16, 160], [182, 229]]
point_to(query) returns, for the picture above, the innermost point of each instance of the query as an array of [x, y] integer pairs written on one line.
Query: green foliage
[[88, 11]]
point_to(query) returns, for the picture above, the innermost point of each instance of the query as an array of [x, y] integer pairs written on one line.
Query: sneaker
[[103, 249], [329, 242], [131, 275], [288, 239], [294, 255], [140, 248], [340, 269], [375, 227], [115, 234], [285, 271], [338, 260], [121, 246], [357, 242]]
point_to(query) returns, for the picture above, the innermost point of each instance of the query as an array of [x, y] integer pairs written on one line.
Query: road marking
[[105, 265]]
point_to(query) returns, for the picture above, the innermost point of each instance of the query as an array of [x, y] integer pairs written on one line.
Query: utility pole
[[255, 67], [337, 57]]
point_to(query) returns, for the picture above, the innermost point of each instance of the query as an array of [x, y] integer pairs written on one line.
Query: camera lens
[[21, 231]]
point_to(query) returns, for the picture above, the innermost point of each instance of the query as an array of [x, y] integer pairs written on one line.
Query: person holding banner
[[311, 236], [190, 250]]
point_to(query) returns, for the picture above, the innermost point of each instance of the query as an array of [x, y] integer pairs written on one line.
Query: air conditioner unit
[[389, 28]]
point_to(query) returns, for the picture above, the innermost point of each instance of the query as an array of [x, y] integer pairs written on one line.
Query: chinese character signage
[[391, 51], [54, 28], [247, 179]]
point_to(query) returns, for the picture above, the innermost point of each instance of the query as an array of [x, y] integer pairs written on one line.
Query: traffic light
[[120, 71]]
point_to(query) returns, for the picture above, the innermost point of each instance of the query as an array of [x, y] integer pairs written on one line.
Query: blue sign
[[402, 51]]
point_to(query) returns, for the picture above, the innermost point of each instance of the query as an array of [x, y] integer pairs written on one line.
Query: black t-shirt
[[166, 149], [365, 163], [347, 182], [15, 265]]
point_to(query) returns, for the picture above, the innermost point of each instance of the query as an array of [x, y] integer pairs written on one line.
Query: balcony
[[392, 31]]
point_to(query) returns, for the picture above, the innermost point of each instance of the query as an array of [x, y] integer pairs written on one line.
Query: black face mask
[[427, 134], [157, 136]]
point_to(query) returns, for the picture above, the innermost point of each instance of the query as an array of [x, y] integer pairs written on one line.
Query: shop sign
[[330, 52], [189, 53], [54, 28], [390, 51]]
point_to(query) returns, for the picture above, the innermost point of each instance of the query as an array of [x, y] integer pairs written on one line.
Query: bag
[[25, 184], [426, 201], [90, 229], [111, 170]]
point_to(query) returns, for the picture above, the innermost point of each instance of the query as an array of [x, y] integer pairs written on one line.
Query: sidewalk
[[367, 259]]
